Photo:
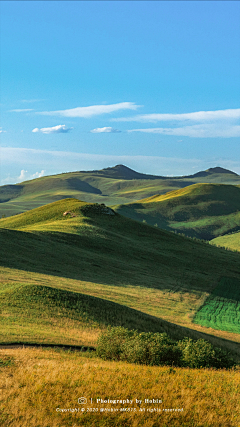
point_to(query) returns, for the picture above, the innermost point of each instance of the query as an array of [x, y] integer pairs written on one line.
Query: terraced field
[[221, 309]]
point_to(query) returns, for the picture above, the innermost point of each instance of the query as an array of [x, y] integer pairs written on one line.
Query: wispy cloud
[[105, 130], [197, 131], [200, 124], [202, 116], [92, 110], [21, 110], [2, 131], [54, 129]]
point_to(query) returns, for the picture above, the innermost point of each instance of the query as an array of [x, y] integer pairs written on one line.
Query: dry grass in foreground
[[37, 382]]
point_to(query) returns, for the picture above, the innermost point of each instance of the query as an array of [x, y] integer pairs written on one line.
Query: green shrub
[[157, 349], [201, 354], [143, 348], [110, 342], [151, 349]]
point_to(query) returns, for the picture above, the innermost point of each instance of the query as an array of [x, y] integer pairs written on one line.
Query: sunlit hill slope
[[96, 252], [201, 210]]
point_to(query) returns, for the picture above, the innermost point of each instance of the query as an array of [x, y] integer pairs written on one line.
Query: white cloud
[[202, 116], [21, 110], [24, 175], [92, 110], [54, 129], [105, 130], [1, 130], [214, 130]]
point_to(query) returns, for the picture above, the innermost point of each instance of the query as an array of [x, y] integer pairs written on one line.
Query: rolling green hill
[[200, 210], [116, 185], [39, 314], [99, 253]]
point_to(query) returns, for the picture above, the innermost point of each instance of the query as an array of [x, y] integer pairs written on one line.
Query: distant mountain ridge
[[115, 185], [124, 172], [121, 172]]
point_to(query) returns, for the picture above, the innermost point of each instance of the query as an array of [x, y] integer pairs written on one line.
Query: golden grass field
[[40, 383]]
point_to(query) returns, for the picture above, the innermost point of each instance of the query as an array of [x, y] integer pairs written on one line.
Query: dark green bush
[[201, 354], [149, 348], [110, 342], [144, 348]]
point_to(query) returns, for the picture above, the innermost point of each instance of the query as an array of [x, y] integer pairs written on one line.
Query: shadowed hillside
[[200, 210]]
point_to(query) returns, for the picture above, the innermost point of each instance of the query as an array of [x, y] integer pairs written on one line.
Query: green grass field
[[221, 310]]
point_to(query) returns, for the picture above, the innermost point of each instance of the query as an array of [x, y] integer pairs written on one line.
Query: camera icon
[[82, 400]]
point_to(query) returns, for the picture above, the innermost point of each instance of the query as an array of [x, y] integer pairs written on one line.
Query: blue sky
[[87, 85]]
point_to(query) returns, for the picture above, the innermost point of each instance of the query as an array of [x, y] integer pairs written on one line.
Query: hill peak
[[218, 169], [121, 172], [212, 171]]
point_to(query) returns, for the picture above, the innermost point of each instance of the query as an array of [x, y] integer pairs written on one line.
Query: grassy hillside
[[200, 210], [230, 241], [40, 314], [112, 186], [104, 255]]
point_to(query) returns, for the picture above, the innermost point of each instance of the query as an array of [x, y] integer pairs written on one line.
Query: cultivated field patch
[[221, 310]]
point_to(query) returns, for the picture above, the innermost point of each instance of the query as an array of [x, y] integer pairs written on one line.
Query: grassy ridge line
[[53, 212], [200, 210]]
